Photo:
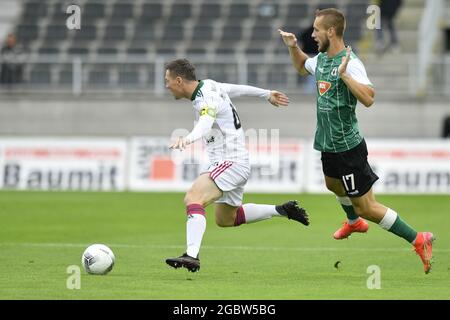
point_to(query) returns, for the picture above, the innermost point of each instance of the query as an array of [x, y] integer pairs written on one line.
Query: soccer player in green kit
[[342, 81]]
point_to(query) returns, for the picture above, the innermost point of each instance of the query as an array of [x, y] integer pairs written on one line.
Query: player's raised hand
[[278, 98], [289, 38], [343, 66], [179, 144]]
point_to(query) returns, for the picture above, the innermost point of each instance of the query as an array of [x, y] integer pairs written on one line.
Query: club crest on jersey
[[323, 86]]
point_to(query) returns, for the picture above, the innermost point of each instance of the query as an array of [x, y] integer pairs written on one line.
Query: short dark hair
[[182, 68], [333, 18]]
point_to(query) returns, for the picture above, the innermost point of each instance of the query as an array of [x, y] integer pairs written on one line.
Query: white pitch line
[[240, 248]]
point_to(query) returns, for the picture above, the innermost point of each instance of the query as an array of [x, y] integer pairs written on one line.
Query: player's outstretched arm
[[274, 97], [203, 125], [238, 90], [298, 57], [179, 144], [278, 98]]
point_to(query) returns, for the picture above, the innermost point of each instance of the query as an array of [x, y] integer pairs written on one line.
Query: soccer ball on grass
[[98, 259]]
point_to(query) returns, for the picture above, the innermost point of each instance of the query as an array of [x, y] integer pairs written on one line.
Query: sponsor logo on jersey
[[323, 86]]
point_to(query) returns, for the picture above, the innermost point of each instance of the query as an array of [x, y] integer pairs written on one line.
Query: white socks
[[195, 228], [257, 212]]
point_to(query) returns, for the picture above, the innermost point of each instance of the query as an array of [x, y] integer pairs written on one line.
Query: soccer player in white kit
[[223, 183]]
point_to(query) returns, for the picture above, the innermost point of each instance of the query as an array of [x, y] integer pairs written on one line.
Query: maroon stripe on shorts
[[215, 174]]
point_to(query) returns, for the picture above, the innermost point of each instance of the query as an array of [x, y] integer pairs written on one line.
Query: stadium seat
[[107, 51], [218, 73], [181, 11], [128, 76], [65, 76], [48, 50], [173, 33], [114, 33], [88, 34], [297, 11], [143, 33], [99, 76], [262, 34], [40, 74], [27, 33], [121, 12], [136, 50], [239, 11], [151, 11], [78, 51], [202, 33], [255, 48], [231, 34], [195, 50], [209, 11], [55, 33], [93, 11], [277, 76], [36, 8], [168, 51]]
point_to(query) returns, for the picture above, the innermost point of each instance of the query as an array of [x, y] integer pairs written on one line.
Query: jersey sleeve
[[236, 90], [310, 65], [206, 106], [356, 70], [204, 124]]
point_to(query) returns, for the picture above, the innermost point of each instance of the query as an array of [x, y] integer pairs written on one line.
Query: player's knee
[[187, 199], [192, 197]]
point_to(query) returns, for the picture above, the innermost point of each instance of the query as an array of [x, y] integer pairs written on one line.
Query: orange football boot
[[424, 248], [347, 229]]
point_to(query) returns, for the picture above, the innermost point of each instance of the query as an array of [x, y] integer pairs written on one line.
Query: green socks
[[393, 223]]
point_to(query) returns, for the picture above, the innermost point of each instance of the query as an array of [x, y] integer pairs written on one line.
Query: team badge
[[323, 86]]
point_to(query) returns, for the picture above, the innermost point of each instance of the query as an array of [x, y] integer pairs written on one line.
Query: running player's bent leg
[[202, 193], [225, 214], [335, 186], [230, 216], [389, 220]]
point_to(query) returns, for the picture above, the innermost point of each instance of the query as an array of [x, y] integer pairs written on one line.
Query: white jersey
[[355, 68], [218, 122]]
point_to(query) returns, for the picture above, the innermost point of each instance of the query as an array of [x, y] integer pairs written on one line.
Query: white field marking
[[242, 248]]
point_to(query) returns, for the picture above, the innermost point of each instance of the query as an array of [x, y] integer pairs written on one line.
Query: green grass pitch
[[42, 233]]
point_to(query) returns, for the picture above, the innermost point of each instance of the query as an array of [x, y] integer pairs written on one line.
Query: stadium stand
[[148, 28], [112, 69]]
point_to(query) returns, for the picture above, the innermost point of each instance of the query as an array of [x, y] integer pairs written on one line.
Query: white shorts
[[230, 177]]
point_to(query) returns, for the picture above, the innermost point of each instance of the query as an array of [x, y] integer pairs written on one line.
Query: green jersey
[[337, 127]]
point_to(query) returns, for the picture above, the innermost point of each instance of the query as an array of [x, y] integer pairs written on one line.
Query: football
[[98, 259]]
